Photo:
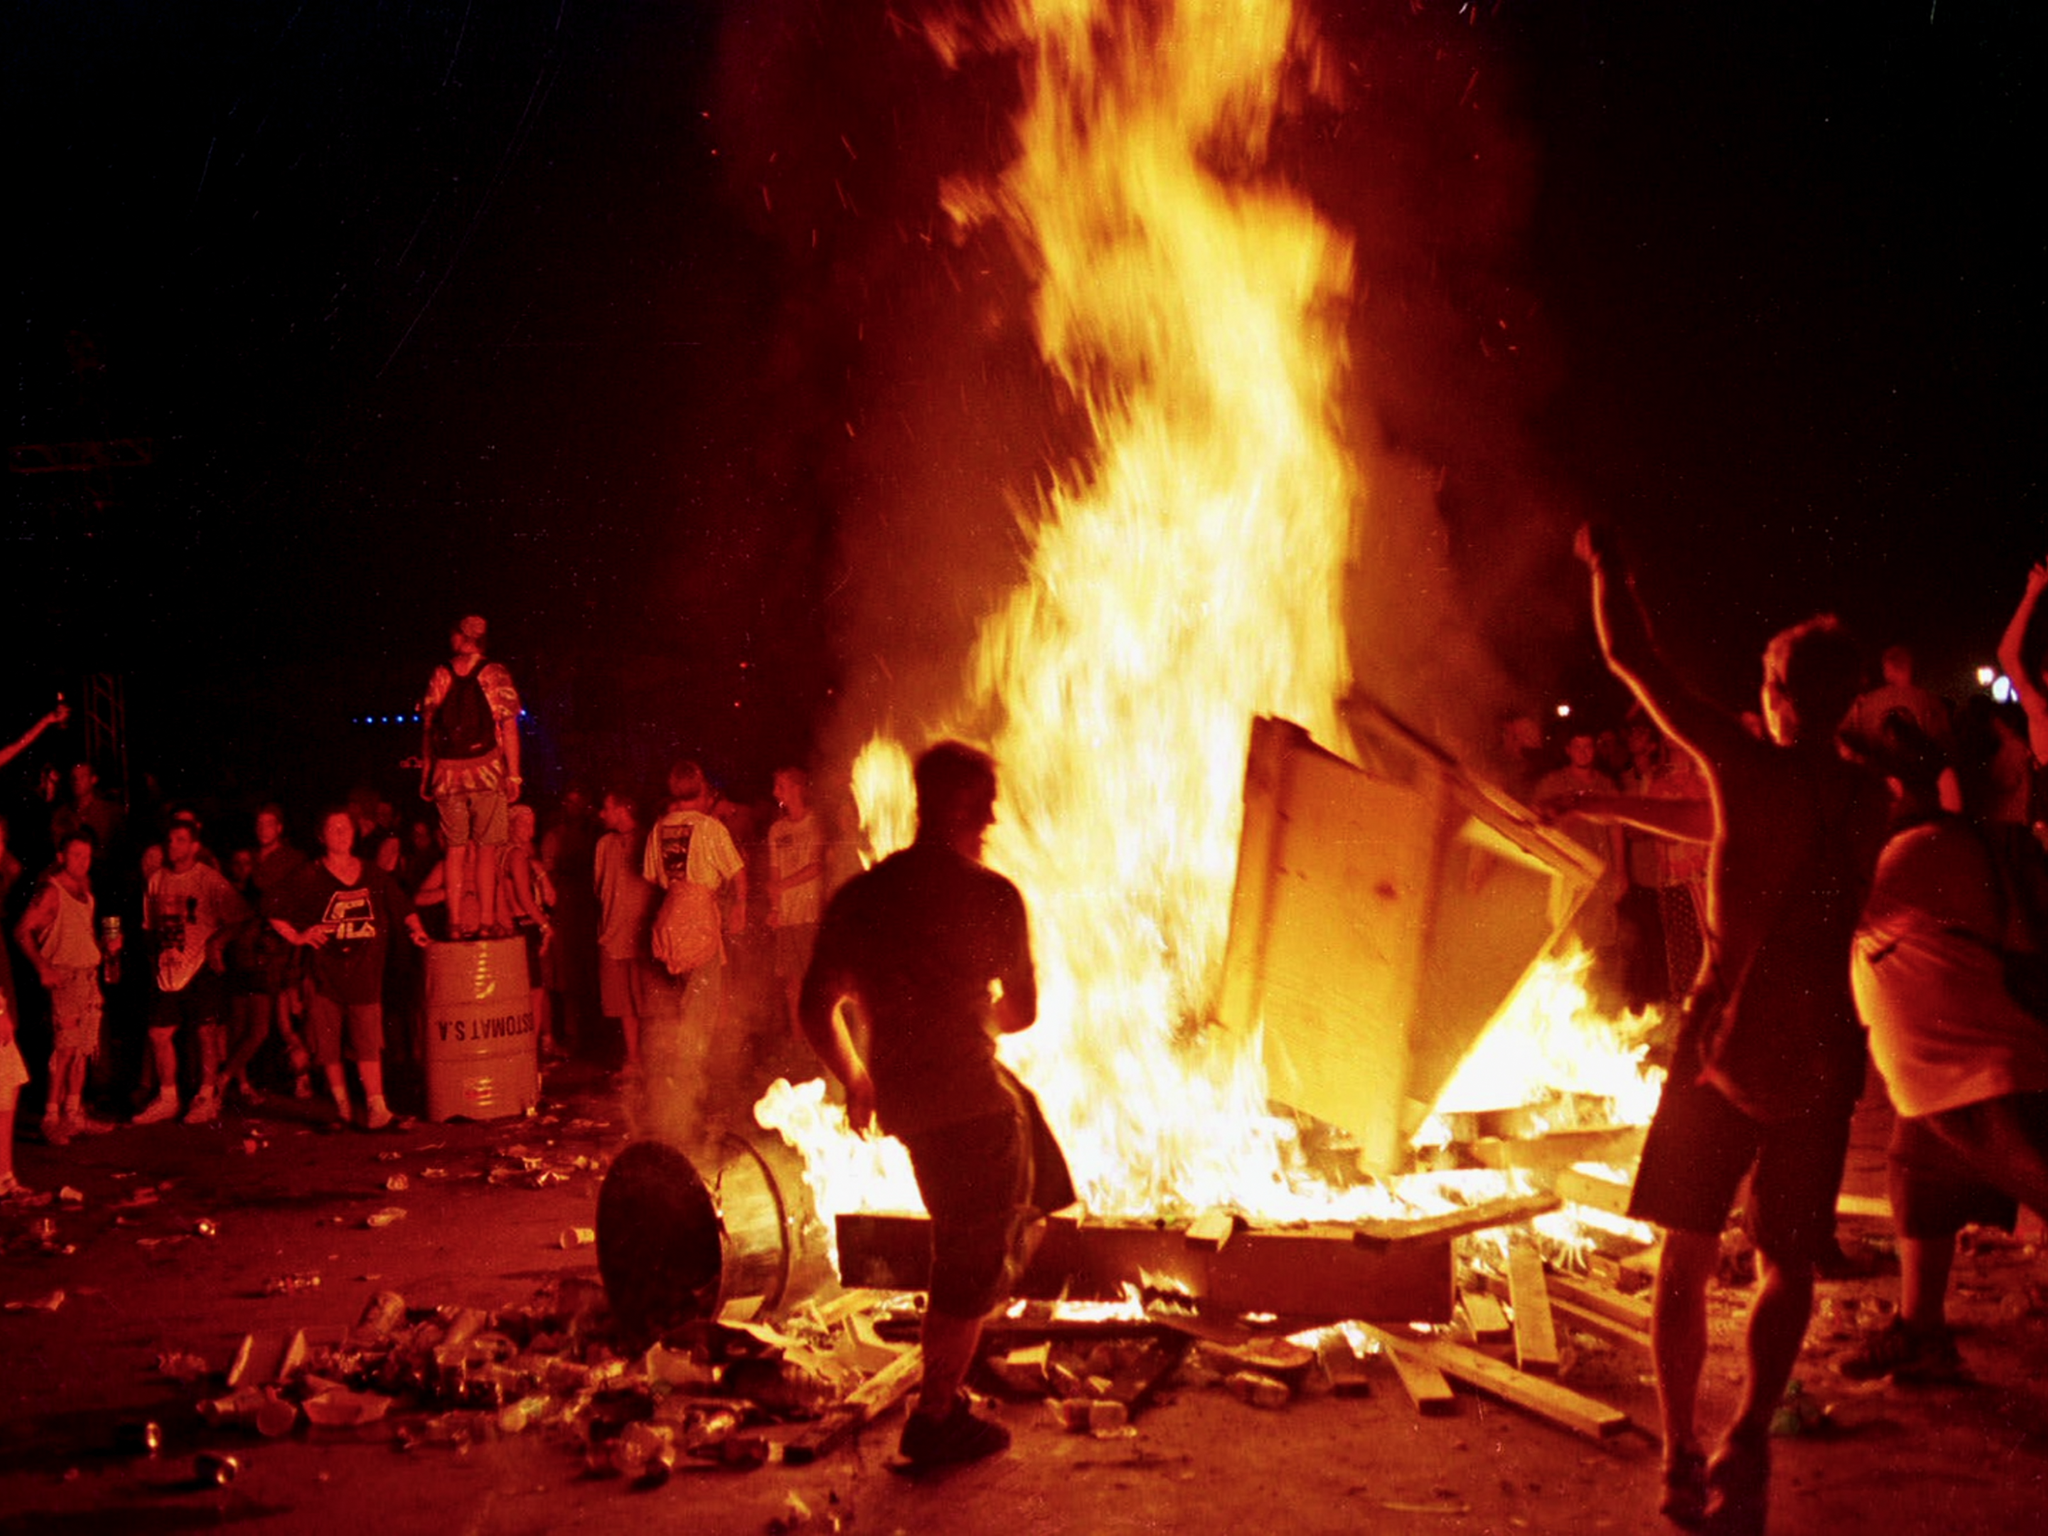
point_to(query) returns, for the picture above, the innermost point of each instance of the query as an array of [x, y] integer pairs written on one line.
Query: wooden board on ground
[[1483, 1315], [1630, 1311], [1546, 1399], [1535, 1331], [862, 1405], [1423, 1382], [1343, 1367]]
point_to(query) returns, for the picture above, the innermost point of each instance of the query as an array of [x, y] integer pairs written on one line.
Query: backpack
[[687, 930], [463, 726]]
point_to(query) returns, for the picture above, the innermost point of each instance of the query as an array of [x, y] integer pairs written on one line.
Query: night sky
[[636, 328]]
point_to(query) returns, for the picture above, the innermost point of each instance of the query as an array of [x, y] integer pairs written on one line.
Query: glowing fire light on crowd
[[1188, 579]]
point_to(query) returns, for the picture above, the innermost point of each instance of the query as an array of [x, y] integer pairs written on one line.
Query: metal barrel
[[481, 1052], [733, 1235]]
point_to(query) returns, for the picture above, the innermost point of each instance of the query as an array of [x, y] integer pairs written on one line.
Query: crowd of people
[[1876, 888], [166, 974], [1855, 871]]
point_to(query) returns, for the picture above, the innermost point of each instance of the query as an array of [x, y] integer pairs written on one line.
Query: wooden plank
[[1343, 1367], [1471, 1218], [862, 1405], [1630, 1311], [1620, 1318], [1535, 1331], [1422, 1381], [1607, 1327], [1546, 1399], [1583, 1188], [1483, 1315]]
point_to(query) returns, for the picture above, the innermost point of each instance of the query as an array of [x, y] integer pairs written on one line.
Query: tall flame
[[1187, 580]]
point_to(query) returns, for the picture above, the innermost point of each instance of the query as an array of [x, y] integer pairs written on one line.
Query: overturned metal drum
[[733, 1235]]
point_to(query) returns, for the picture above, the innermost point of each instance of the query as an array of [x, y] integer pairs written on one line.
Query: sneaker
[[54, 1132], [163, 1107], [302, 1087], [205, 1108], [1904, 1353], [959, 1435], [12, 1189], [247, 1094], [79, 1123], [376, 1117]]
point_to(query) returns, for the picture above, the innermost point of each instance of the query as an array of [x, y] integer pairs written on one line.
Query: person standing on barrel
[[934, 951], [470, 770]]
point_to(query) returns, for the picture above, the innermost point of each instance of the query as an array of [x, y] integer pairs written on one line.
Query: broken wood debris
[[1535, 1331], [1425, 1385], [1472, 1218], [1484, 1317], [1546, 1399]]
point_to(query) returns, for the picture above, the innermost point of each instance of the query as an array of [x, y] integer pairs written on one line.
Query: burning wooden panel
[[1313, 1271], [1382, 915]]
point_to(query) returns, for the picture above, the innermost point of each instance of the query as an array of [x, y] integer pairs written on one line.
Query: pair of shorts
[[793, 946], [75, 1009], [473, 816], [338, 1031], [201, 1001], [1699, 1148], [1935, 1192], [622, 987], [1974, 1163], [973, 1176]]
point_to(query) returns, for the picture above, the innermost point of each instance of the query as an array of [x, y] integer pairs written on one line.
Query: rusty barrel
[[731, 1235], [482, 1049]]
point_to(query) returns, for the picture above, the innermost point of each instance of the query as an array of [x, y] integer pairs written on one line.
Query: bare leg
[[376, 1113], [213, 1050], [163, 1053], [251, 1016], [489, 856], [337, 1087], [1777, 1327], [1923, 1280], [65, 1093], [461, 857], [949, 1346], [7, 1138], [1678, 1333]]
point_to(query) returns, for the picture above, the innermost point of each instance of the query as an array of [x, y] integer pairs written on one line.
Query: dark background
[[635, 327]]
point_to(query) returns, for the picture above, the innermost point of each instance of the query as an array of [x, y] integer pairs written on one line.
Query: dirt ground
[[289, 1199]]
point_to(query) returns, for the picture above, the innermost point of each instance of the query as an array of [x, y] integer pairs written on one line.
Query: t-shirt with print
[[349, 967], [690, 845], [182, 911]]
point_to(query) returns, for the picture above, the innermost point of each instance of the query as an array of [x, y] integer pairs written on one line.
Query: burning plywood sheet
[[1381, 917]]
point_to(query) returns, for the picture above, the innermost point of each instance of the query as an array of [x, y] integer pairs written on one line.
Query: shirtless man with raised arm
[[1768, 1063]]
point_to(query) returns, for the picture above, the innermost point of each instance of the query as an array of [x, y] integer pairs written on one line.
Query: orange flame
[[1188, 579]]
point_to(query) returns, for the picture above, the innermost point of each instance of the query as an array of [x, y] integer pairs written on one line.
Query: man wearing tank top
[[57, 934]]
